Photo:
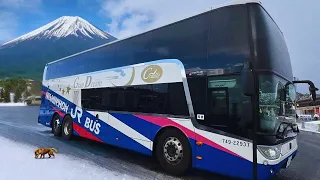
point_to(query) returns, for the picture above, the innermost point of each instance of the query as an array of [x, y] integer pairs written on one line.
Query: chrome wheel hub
[[173, 150]]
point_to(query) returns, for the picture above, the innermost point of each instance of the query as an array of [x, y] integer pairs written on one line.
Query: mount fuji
[[27, 55]]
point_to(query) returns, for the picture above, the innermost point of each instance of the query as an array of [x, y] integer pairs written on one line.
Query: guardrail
[[311, 126]]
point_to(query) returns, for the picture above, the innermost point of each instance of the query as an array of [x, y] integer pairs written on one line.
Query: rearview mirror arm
[[305, 82], [312, 87]]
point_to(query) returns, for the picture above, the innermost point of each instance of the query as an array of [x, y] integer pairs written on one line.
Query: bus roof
[[231, 3]]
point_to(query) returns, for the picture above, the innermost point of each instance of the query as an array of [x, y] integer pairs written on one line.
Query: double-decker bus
[[214, 91]]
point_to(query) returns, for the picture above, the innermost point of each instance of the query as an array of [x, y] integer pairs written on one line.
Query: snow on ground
[[18, 162], [12, 104], [312, 126]]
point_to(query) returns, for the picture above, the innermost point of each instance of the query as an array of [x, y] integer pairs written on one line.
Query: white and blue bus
[[214, 91]]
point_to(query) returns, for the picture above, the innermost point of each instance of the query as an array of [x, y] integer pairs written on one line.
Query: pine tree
[[1, 94], [17, 95], [6, 96]]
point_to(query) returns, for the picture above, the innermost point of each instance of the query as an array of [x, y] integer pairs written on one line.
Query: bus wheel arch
[[180, 161], [56, 124], [67, 127]]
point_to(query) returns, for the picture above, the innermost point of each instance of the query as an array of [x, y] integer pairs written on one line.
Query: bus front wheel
[[67, 128], [173, 152]]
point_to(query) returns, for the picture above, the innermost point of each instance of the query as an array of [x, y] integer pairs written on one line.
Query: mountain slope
[[26, 55]]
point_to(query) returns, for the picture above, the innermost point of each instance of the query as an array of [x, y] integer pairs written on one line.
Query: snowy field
[[18, 162]]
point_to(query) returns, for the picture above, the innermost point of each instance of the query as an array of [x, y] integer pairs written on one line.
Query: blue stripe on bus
[[218, 161], [145, 128], [264, 170], [224, 163], [124, 141]]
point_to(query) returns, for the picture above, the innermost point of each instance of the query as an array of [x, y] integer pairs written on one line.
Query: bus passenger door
[[217, 110], [215, 116]]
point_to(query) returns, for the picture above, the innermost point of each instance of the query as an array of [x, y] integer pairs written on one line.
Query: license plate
[[289, 161]]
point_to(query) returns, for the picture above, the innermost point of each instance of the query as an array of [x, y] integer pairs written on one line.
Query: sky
[[298, 20]]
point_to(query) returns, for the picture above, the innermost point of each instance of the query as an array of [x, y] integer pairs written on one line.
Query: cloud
[[129, 17]]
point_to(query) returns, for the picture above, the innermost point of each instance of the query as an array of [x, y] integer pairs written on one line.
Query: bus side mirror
[[312, 87], [247, 82], [312, 91]]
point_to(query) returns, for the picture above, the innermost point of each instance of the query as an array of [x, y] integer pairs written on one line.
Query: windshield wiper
[[280, 134]]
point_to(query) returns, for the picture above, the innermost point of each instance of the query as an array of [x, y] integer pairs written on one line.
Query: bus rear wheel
[[56, 125], [67, 128], [173, 152]]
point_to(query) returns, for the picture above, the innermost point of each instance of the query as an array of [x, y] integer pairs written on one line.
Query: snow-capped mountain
[[63, 27], [26, 55]]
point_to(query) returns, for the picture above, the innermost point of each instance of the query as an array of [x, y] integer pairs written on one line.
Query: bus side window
[[151, 98], [177, 103], [217, 107], [197, 87], [90, 99]]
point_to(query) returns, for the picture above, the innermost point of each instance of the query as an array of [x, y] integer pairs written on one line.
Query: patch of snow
[[12, 104], [63, 27], [18, 162]]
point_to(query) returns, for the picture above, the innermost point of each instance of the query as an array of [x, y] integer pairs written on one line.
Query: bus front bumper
[[268, 168]]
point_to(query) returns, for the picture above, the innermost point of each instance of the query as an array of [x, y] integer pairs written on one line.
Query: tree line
[[17, 86]]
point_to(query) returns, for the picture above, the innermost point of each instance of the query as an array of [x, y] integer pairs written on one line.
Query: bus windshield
[[276, 102]]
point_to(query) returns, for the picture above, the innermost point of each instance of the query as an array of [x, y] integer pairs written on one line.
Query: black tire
[[67, 128], [56, 125], [181, 164]]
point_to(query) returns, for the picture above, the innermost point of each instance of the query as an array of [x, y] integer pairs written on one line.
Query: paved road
[[20, 124]]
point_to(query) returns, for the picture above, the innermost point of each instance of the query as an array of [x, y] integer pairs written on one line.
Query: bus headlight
[[270, 152]]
